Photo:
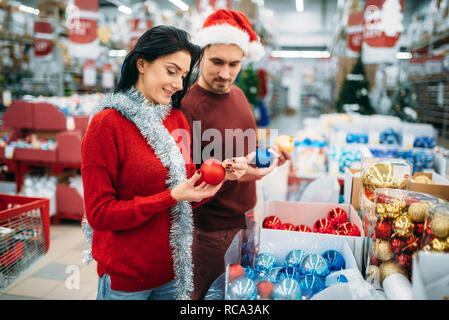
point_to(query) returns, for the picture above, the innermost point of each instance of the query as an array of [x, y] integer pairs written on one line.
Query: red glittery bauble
[[404, 260], [235, 271], [337, 216], [349, 229], [373, 261], [323, 225], [303, 228], [397, 245], [336, 232], [272, 222], [383, 230], [265, 289], [419, 228], [412, 244], [288, 227]]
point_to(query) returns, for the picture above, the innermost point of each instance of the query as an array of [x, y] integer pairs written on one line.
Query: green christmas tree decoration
[[248, 81], [354, 92]]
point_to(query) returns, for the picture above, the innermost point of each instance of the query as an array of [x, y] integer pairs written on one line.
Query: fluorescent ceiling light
[[300, 5], [117, 53], [300, 54], [125, 9], [180, 4], [28, 9], [403, 55]]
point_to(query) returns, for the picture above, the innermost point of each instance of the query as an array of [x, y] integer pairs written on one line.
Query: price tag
[[9, 152], [70, 123], [408, 140]]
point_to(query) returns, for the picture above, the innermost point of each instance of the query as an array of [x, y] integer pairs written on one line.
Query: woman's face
[[160, 79]]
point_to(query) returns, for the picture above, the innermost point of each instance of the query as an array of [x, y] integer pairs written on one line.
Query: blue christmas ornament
[[334, 260], [316, 265], [294, 258], [331, 279], [250, 273], [272, 275], [311, 285], [264, 158], [265, 262], [288, 272], [287, 289], [243, 289]]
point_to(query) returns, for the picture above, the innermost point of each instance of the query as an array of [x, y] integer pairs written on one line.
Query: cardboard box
[[352, 186], [280, 243], [308, 213], [430, 275]]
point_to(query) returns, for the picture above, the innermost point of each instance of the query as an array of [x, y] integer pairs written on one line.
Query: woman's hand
[[235, 168], [189, 192]]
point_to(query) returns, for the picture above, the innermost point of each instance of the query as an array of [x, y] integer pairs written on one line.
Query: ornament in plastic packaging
[[287, 289], [243, 289]]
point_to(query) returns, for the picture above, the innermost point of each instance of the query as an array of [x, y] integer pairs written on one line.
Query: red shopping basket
[[24, 234]]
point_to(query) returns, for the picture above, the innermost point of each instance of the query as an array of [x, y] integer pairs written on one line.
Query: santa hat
[[226, 26]]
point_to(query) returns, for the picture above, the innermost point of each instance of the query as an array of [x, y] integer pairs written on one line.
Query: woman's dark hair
[[154, 43]]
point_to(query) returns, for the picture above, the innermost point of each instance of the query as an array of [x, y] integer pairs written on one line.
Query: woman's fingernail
[[198, 171]]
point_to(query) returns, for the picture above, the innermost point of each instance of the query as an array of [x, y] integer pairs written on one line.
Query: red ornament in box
[[323, 225], [383, 230], [397, 244], [349, 229], [212, 171], [404, 260], [412, 244], [265, 289], [373, 261], [235, 271], [272, 222], [289, 227], [303, 228], [337, 216]]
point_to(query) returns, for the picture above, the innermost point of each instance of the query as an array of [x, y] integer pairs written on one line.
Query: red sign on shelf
[[355, 32], [137, 27], [43, 38], [82, 21]]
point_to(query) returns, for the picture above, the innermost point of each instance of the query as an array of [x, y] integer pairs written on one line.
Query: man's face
[[220, 65]]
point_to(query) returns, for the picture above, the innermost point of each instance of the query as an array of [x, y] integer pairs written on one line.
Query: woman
[[138, 185]]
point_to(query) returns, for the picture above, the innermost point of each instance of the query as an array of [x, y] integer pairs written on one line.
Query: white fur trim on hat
[[227, 34]]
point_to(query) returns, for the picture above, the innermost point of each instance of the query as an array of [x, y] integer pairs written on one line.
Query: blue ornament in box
[[315, 264], [287, 289], [250, 273], [334, 279], [334, 259], [264, 158], [294, 258], [272, 275], [243, 289], [265, 262], [288, 272], [310, 285]]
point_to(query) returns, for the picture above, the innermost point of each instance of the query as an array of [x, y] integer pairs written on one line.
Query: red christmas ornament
[[272, 222], [373, 261], [336, 232], [383, 230], [289, 227], [404, 260], [212, 171], [235, 271], [303, 228], [323, 225], [337, 216], [265, 289], [419, 228], [397, 245], [349, 229], [412, 244]]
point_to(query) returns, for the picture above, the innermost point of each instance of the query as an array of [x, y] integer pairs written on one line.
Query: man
[[215, 103]]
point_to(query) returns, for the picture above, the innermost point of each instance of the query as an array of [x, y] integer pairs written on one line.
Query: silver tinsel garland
[[149, 120]]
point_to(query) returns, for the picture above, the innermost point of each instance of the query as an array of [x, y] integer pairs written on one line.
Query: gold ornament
[[382, 250], [440, 225], [439, 245], [417, 211], [388, 268], [423, 179], [403, 226], [372, 272]]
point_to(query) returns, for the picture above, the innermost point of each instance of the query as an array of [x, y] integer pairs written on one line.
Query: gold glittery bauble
[[382, 250], [439, 245], [417, 211], [393, 209], [388, 268], [403, 226], [440, 225]]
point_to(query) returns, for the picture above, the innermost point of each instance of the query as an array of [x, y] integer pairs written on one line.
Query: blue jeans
[[165, 292]]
